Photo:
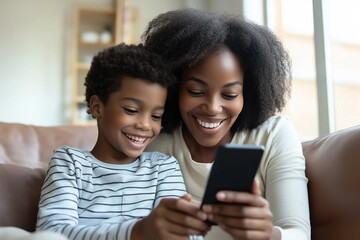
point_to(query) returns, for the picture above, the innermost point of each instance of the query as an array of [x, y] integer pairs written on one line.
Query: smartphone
[[234, 169]]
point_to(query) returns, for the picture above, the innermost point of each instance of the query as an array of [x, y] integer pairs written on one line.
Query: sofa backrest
[[25, 152], [33, 146], [332, 167], [333, 170]]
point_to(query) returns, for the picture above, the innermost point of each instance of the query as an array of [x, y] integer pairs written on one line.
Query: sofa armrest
[[20, 189], [332, 167]]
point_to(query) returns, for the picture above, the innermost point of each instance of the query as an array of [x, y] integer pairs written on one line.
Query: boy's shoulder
[[155, 157], [71, 154], [158, 162], [70, 151]]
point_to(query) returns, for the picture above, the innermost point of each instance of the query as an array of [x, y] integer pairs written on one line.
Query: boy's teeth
[[136, 139], [208, 125]]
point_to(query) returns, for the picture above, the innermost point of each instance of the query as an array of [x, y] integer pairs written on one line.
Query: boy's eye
[[156, 117], [130, 110]]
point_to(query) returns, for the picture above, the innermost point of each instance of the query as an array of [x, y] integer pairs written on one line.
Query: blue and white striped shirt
[[84, 198]]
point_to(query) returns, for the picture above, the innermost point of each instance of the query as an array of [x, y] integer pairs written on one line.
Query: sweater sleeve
[[58, 206], [286, 183], [170, 180]]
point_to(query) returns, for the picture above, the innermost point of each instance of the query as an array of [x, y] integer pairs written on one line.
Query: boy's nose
[[143, 124]]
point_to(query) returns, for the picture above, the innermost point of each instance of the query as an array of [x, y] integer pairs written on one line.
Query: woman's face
[[211, 97]]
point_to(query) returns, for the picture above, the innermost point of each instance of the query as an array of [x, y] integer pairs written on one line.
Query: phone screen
[[234, 169]]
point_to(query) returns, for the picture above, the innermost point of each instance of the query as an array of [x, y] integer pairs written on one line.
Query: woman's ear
[[95, 106]]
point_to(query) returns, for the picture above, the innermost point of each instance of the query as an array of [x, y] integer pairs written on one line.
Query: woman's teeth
[[135, 138], [208, 125]]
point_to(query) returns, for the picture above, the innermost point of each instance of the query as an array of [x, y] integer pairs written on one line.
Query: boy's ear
[[95, 106]]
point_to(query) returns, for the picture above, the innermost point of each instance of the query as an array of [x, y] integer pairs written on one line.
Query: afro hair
[[184, 37], [110, 65]]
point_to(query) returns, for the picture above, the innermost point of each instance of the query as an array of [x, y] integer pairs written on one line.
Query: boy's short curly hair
[[110, 65], [184, 37]]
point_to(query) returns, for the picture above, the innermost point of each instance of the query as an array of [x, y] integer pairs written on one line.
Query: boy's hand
[[172, 219]]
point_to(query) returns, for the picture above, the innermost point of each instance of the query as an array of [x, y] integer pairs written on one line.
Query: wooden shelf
[[84, 122], [80, 99], [96, 44], [82, 66], [92, 9], [95, 19]]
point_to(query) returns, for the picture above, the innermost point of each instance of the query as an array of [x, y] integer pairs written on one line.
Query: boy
[[103, 193]]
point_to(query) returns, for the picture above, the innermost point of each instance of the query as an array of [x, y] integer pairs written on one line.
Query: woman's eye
[[130, 110], [230, 96], [196, 92]]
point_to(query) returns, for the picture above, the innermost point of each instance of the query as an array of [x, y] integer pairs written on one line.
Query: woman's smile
[[211, 97], [209, 125]]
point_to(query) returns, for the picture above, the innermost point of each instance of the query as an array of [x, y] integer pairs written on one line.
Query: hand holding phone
[[234, 169]]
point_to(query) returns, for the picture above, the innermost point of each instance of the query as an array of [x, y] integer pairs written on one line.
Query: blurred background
[[46, 47]]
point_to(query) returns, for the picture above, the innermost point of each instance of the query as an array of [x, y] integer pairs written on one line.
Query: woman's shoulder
[[158, 161], [274, 126], [156, 157], [275, 123]]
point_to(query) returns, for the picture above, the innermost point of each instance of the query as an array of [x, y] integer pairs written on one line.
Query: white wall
[[147, 10], [35, 47], [31, 61]]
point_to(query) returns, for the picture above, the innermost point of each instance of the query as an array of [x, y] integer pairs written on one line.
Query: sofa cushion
[[19, 195], [13, 233], [333, 167]]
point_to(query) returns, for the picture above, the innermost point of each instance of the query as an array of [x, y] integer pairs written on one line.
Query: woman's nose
[[213, 106]]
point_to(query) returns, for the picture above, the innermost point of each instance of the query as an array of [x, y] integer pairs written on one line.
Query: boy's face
[[129, 120]]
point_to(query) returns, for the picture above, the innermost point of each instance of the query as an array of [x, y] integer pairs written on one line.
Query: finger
[[187, 221], [237, 211], [184, 206], [173, 211], [241, 198], [187, 197], [256, 187], [181, 230], [243, 223], [238, 233]]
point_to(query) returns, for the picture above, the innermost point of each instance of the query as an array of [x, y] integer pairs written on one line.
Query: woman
[[233, 77]]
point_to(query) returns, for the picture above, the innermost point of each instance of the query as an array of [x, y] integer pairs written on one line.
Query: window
[[344, 41], [292, 22], [318, 106]]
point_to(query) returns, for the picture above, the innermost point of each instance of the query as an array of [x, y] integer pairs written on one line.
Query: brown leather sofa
[[333, 169], [24, 155]]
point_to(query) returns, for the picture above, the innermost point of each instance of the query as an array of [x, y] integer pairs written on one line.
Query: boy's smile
[[129, 120]]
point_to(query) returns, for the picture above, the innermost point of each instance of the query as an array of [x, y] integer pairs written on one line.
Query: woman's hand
[[172, 219], [244, 216]]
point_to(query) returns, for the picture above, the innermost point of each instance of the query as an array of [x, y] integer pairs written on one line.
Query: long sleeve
[[59, 204], [281, 174], [170, 181], [285, 183], [84, 198]]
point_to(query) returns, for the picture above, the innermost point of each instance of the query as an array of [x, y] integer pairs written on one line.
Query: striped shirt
[[84, 198]]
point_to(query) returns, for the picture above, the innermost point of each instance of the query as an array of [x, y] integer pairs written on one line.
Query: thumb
[[187, 197], [256, 187]]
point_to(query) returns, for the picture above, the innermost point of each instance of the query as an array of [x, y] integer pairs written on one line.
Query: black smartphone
[[234, 169]]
